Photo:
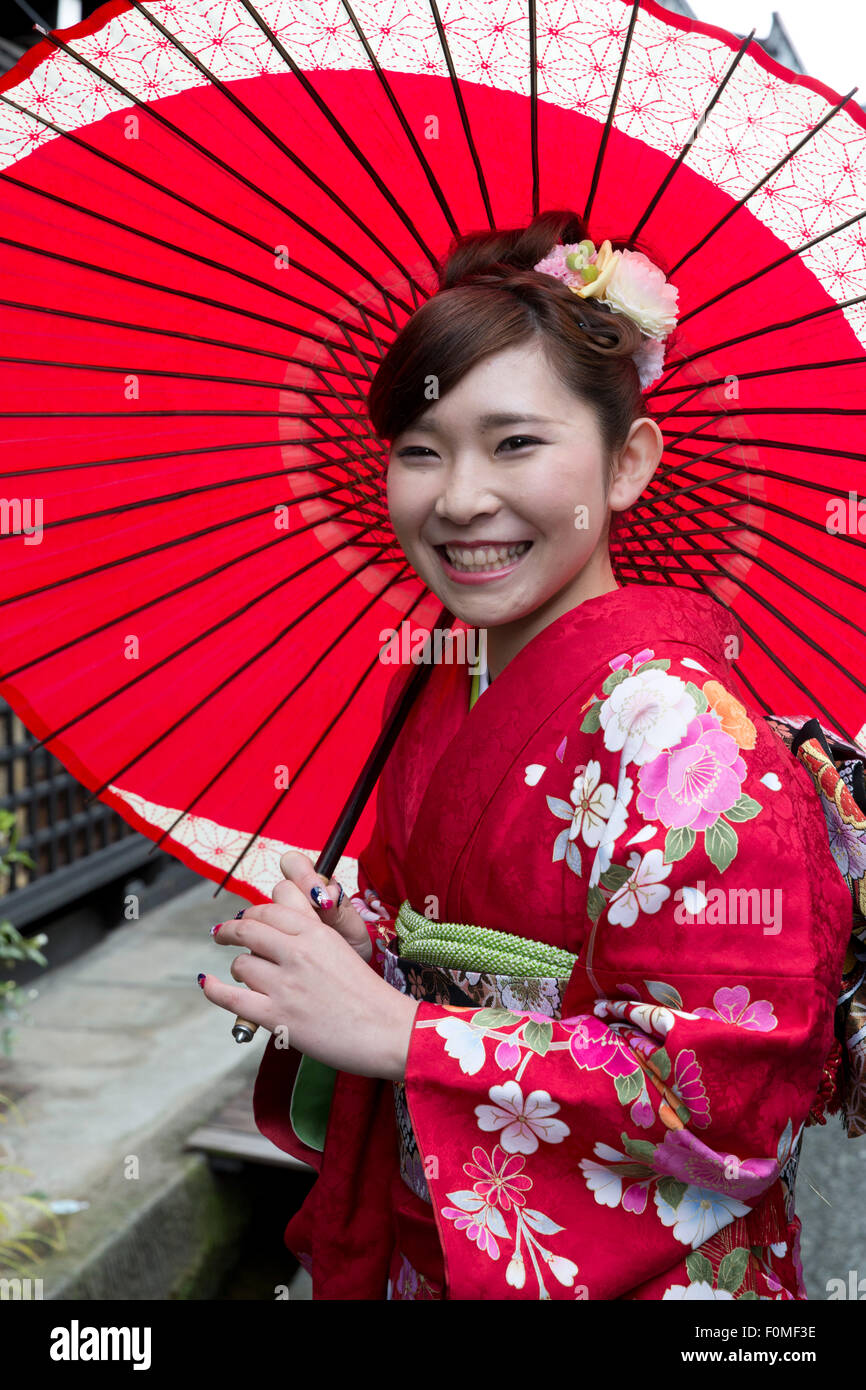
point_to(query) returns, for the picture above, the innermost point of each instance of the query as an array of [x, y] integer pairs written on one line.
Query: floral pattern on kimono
[[633, 1144]]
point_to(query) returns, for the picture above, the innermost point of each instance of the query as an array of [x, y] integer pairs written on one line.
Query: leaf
[[698, 696], [591, 721], [563, 809], [595, 903], [744, 809], [494, 1018], [638, 1148], [614, 679], [661, 1063], [784, 1142], [541, 1223], [628, 1088], [560, 845], [678, 842], [615, 876], [466, 1200], [572, 857], [750, 1293], [732, 1270], [538, 1036], [721, 844], [699, 1267], [664, 994], [660, 664], [671, 1190], [496, 1223]]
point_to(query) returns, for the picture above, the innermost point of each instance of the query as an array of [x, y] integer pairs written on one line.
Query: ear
[[636, 463]]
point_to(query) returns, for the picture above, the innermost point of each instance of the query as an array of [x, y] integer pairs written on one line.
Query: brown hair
[[489, 299]]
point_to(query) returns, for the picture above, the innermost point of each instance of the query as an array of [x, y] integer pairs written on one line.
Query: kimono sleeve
[[592, 1154]]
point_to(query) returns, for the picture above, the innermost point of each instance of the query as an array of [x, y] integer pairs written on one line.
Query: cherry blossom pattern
[[596, 812], [499, 1191], [631, 1058], [524, 1121], [732, 1005], [518, 1036], [690, 778]]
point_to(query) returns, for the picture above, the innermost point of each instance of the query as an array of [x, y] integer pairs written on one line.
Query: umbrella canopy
[[215, 220]]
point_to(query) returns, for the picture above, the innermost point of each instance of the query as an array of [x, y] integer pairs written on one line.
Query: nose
[[467, 492]]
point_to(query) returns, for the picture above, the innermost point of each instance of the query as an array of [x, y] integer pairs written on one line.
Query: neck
[[506, 639]]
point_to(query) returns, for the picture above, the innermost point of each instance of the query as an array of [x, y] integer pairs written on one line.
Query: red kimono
[[632, 1130]]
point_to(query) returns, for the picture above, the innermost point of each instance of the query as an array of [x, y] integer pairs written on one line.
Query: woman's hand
[[345, 919], [305, 979]]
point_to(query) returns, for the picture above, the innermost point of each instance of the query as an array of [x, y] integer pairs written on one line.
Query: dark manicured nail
[[214, 930], [201, 979], [318, 896], [241, 913]]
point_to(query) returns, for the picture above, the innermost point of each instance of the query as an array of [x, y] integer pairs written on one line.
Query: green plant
[[19, 1250], [13, 946]]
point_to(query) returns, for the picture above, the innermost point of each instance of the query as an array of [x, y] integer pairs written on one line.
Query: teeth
[[485, 558]]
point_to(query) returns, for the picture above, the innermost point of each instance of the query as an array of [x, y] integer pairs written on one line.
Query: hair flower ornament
[[630, 284]]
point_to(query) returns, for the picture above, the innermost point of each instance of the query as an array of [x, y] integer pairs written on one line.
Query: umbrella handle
[[243, 1030]]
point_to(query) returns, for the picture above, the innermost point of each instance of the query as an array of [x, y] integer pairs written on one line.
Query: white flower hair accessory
[[630, 284]]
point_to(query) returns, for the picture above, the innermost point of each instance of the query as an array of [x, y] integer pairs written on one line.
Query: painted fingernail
[[318, 896], [214, 930], [201, 979], [240, 914]]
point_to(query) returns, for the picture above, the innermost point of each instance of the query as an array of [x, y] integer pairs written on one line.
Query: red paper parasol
[[216, 218]]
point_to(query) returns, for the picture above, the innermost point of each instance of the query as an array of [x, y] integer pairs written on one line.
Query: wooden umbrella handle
[[243, 1030]]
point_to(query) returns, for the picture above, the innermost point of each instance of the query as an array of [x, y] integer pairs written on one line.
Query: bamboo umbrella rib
[[760, 372], [461, 109], [236, 752], [693, 136], [780, 164], [321, 739], [605, 135]]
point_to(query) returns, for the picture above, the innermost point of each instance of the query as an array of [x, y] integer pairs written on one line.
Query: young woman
[[564, 1041]]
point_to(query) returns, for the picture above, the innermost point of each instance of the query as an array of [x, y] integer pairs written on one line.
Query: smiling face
[[462, 474]]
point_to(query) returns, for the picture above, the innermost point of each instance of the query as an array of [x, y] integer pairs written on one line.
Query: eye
[[523, 440]]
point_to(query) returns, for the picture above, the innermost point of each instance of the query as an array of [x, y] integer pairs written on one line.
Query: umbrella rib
[[209, 154], [338, 126], [139, 503], [189, 584], [461, 108], [772, 265], [690, 139], [777, 410], [174, 375], [236, 752], [186, 252], [198, 637], [56, 312], [401, 117], [654, 506], [533, 107], [765, 505], [740, 202], [755, 333], [761, 372], [183, 539], [723, 509], [782, 444], [204, 212], [599, 159], [340, 712], [178, 293]]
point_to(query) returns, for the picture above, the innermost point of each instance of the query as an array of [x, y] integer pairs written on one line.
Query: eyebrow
[[486, 422]]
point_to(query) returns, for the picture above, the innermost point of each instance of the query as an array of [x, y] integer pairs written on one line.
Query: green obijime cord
[[464, 946]]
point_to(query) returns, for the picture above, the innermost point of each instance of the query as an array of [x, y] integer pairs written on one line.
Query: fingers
[[248, 1003], [265, 939]]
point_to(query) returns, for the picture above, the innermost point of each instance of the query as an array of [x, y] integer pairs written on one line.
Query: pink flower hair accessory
[[628, 283]]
